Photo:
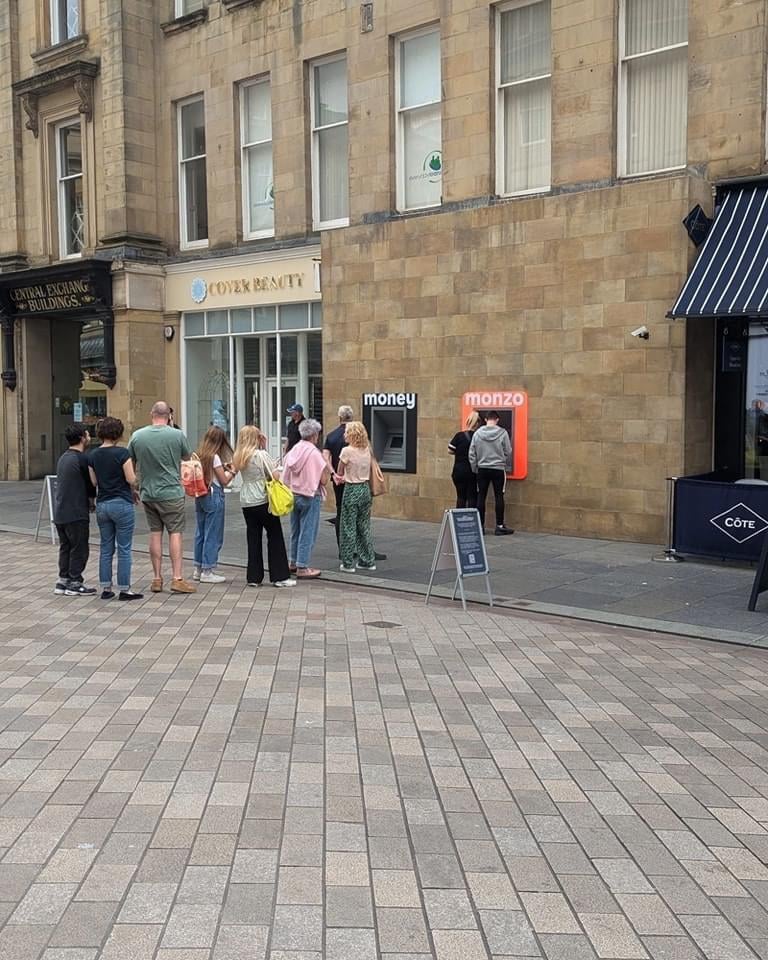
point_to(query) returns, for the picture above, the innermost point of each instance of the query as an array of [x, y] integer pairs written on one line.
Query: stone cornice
[[79, 74], [187, 22]]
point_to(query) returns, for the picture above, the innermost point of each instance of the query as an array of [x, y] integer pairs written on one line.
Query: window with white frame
[[64, 19], [418, 96], [69, 188], [330, 142], [256, 140], [653, 85], [524, 97], [183, 7], [193, 191]]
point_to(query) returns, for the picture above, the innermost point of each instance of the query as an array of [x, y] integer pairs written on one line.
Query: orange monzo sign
[[512, 408]]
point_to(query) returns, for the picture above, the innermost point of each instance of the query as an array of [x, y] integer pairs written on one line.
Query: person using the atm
[[490, 456]]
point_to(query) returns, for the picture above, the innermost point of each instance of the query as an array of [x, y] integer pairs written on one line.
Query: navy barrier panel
[[719, 520]]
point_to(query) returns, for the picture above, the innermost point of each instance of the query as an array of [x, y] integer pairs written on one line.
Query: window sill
[[236, 4], [187, 22], [330, 225], [56, 50]]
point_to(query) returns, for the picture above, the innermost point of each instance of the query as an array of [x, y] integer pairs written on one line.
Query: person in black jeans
[[462, 474], [72, 506], [490, 456]]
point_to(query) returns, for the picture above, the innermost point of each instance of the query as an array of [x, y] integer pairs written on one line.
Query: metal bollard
[[670, 555]]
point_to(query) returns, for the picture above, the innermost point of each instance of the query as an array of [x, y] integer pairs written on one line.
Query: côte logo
[[199, 290], [740, 523]]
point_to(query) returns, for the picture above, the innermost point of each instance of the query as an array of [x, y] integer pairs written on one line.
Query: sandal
[[307, 573]]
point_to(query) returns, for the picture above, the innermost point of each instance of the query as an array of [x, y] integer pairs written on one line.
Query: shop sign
[[407, 400], [740, 523], [202, 289], [85, 289]]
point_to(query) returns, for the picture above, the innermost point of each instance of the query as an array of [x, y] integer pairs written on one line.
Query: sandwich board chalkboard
[[461, 548], [47, 494]]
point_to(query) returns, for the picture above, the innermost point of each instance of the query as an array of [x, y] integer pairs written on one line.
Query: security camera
[[643, 333]]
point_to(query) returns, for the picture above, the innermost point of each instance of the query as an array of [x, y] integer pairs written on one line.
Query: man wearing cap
[[292, 433]]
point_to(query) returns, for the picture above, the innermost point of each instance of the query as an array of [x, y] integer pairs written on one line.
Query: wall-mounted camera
[[642, 333]]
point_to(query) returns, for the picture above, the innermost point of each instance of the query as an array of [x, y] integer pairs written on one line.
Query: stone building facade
[[471, 287]]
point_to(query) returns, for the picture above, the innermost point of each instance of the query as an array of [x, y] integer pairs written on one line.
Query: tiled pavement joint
[[269, 775]]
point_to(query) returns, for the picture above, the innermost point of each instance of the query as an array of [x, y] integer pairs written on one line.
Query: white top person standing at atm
[[490, 456]]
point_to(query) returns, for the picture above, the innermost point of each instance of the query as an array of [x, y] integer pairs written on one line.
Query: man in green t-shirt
[[157, 452]]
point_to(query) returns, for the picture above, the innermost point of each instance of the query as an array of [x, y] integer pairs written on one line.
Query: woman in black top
[[463, 478], [114, 477]]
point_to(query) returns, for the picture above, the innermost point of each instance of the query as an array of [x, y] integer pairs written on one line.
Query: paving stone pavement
[[329, 772]]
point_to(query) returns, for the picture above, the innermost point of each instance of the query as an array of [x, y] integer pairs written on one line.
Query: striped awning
[[730, 277]]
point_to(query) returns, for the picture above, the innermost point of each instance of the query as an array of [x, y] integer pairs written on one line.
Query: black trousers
[[338, 492], [258, 520], [466, 486], [486, 478], [73, 549]]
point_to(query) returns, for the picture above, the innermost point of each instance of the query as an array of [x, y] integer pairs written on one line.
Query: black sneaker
[[130, 595], [79, 590], [61, 588], [107, 594], [380, 556], [503, 531]]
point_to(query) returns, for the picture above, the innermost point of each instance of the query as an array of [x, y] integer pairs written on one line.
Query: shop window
[[256, 143], [64, 20], [208, 386], [293, 316], [193, 190], [653, 85], [524, 98], [70, 201], [216, 321], [330, 143], [184, 7], [241, 321], [264, 319], [194, 324], [418, 95]]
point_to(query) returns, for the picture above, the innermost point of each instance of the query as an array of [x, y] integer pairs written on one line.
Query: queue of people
[[112, 479]]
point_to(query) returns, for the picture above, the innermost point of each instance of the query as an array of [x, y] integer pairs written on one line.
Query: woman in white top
[[256, 467]]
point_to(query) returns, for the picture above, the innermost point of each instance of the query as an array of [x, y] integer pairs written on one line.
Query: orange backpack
[[192, 478]]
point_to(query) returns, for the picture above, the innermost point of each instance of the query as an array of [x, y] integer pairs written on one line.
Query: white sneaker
[[208, 576], [347, 569], [196, 573], [285, 583], [249, 584]]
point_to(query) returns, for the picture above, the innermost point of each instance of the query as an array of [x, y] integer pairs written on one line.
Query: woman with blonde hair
[[256, 467], [214, 453], [463, 478], [354, 471]]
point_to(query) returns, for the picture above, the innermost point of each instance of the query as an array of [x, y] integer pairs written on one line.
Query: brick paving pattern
[[319, 772]]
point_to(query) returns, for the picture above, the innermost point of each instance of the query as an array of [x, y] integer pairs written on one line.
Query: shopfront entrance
[[62, 319], [233, 376]]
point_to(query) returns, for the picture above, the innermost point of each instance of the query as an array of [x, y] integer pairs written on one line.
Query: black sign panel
[[719, 519], [760, 584], [470, 546], [80, 291]]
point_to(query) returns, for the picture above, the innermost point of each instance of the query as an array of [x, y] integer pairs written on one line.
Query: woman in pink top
[[306, 473], [355, 471]]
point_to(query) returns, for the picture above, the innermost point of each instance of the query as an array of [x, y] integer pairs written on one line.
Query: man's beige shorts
[[165, 515]]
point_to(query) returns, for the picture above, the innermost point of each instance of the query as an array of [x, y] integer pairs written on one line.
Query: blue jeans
[[116, 519], [305, 521], [209, 533]]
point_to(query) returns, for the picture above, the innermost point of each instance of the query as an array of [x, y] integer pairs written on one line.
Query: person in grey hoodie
[[490, 456]]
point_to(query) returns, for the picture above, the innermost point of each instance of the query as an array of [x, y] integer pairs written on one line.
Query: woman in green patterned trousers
[[354, 470]]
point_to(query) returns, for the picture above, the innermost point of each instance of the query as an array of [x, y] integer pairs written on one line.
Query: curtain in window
[[657, 107], [527, 127], [332, 155], [656, 84], [525, 42]]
